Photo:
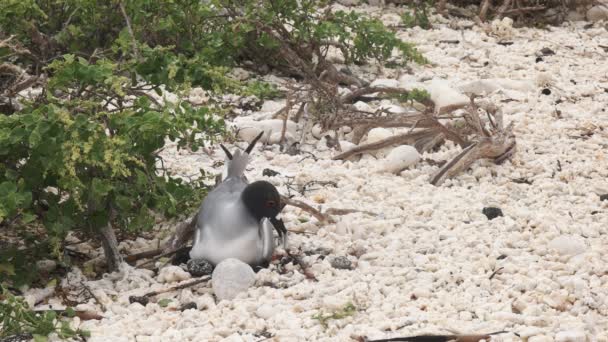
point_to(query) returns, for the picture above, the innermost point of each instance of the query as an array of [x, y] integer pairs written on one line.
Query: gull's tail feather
[[238, 161]]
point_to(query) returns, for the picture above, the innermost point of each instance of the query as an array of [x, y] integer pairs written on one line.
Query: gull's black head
[[262, 200]]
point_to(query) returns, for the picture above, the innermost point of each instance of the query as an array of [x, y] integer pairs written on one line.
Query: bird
[[236, 218]]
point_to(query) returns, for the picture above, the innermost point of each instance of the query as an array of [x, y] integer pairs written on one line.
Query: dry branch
[[406, 138], [307, 208], [495, 142], [179, 287]]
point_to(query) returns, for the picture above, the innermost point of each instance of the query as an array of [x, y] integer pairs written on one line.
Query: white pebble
[[568, 244], [400, 158], [570, 336], [230, 277], [172, 274]]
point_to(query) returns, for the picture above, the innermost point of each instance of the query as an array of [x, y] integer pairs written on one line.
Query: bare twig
[[307, 208], [406, 138], [340, 211], [488, 147], [83, 315], [485, 6], [179, 287], [129, 28]]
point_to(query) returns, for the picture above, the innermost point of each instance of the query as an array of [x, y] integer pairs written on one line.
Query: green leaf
[[70, 312], [7, 269], [27, 218], [164, 302]]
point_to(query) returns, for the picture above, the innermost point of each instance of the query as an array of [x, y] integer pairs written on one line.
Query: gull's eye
[[270, 204]]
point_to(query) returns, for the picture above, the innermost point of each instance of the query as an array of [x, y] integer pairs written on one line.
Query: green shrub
[[85, 153], [17, 318]]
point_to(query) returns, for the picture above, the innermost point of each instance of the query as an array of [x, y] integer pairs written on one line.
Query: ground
[[426, 260]]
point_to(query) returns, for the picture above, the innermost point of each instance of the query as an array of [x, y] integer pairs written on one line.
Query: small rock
[[346, 145], [571, 336], [270, 173], [400, 158], [385, 83], [231, 277], [546, 91], [363, 107], [443, 95], [540, 338], [143, 300], [249, 129], [317, 131], [46, 265], [188, 306], [604, 197], [198, 96], [377, 134], [265, 311], [171, 274], [597, 13], [240, 74], [547, 51], [272, 106], [492, 212], [568, 245], [199, 267], [341, 263]]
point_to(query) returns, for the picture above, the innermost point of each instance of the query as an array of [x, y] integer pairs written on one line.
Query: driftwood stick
[[340, 211], [406, 138], [159, 255], [353, 96], [82, 314], [307, 208], [143, 255], [486, 148], [179, 287], [485, 6]]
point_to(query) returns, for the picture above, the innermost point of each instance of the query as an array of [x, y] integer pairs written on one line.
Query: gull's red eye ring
[[270, 204]]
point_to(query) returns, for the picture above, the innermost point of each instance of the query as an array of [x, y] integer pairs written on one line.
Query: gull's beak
[[279, 226]]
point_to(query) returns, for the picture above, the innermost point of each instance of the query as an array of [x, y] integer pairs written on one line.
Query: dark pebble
[[270, 173], [539, 59], [547, 52], [188, 306], [604, 197], [199, 267], [341, 263], [143, 300], [546, 91], [492, 212]]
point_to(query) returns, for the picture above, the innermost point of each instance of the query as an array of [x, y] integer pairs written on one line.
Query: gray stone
[[341, 263], [199, 267]]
